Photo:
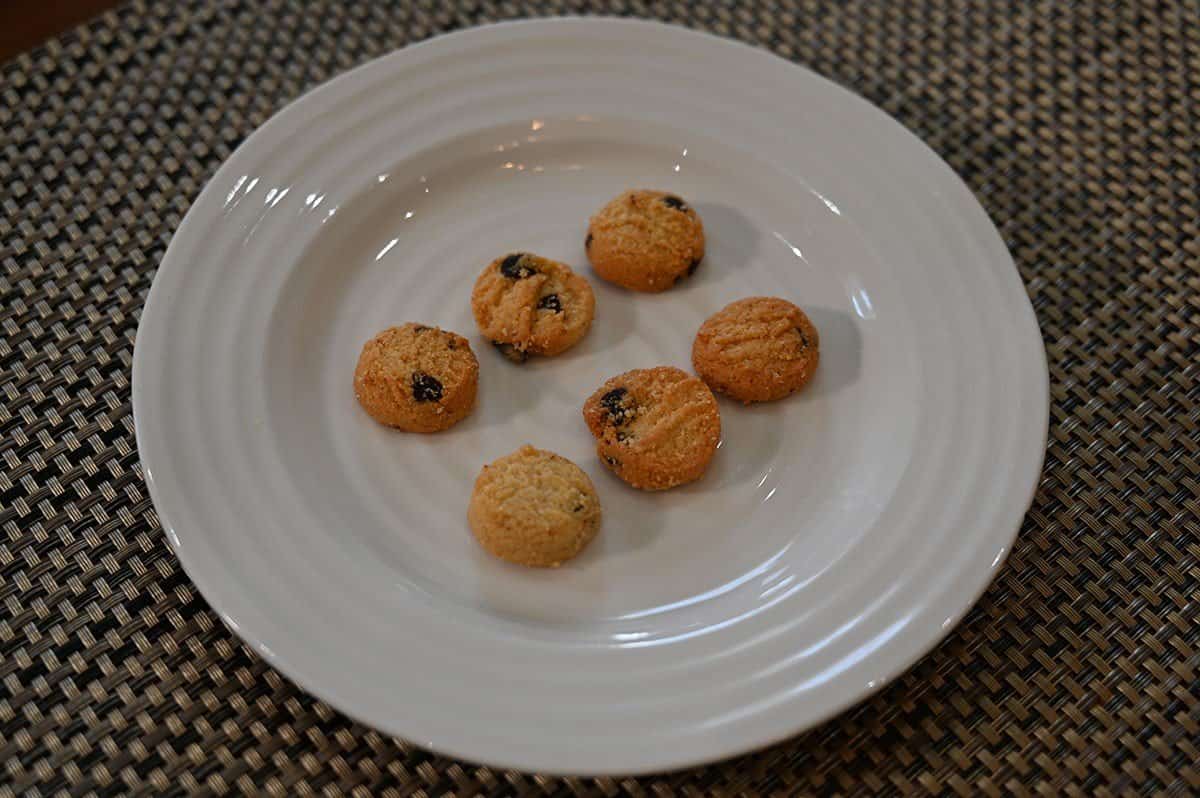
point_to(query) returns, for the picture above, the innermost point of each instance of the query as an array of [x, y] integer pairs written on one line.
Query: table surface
[[28, 23], [1077, 673]]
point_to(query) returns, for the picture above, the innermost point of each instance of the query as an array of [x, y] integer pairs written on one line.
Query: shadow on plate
[[841, 352], [731, 243]]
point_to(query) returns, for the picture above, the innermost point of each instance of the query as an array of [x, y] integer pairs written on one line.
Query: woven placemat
[[1077, 673]]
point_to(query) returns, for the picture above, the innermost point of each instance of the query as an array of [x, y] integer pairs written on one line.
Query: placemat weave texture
[[1078, 673]]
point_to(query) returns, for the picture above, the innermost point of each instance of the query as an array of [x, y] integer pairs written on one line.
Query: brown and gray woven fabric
[[1078, 673]]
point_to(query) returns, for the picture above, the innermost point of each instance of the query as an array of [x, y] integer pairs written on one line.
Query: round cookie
[[417, 378], [645, 240], [534, 507], [757, 349], [654, 428], [529, 305]]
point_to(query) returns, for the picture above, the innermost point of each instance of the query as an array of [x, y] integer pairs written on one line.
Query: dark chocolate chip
[[577, 508], [451, 344], [550, 302], [512, 267], [616, 405], [587, 242], [695, 264], [612, 461], [425, 388], [671, 201], [613, 398], [511, 352], [803, 338]]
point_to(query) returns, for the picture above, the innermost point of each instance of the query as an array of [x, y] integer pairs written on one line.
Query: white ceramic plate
[[838, 535]]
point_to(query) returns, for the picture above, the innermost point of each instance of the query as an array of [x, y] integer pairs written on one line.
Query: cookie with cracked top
[[757, 349], [529, 305], [654, 428]]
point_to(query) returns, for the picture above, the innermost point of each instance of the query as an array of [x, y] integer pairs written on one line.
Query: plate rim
[[214, 597]]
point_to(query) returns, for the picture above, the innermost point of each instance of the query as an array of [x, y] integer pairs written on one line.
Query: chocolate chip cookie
[[417, 378], [529, 305], [534, 507], [645, 240], [757, 349], [654, 428]]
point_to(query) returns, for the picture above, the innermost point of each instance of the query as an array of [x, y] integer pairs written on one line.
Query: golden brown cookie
[[417, 378], [534, 507], [645, 240], [529, 305], [654, 428], [757, 349]]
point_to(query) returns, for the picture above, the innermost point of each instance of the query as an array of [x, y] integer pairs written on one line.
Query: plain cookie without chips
[[529, 305], [417, 378], [757, 349], [654, 428], [645, 240], [534, 507]]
